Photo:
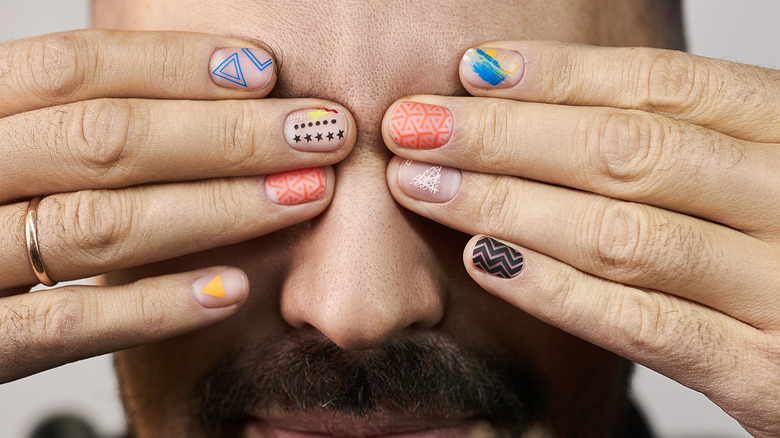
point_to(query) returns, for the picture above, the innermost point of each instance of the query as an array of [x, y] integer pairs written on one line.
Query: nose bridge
[[361, 275]]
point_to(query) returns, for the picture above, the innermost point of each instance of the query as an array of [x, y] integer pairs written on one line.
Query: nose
[[362, 273]]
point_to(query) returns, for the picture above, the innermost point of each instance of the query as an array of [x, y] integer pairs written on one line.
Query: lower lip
[[259, 429]]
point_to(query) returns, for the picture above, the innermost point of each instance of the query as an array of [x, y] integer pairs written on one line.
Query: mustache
[[426, 377]]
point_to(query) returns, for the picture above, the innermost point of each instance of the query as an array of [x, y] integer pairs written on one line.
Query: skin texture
[[364, 270]]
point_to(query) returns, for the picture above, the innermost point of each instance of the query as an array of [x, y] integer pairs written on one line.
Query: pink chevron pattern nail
[[296, 186], [420, 125]]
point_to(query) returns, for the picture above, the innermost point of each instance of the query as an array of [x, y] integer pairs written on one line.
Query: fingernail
[[219, 290], [497, 259], [296, 186], [316, 129], [420, 125], [241, 68], [484, 67], [428, 182]]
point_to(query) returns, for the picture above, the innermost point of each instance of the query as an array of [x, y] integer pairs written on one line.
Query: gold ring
[[31, 236]]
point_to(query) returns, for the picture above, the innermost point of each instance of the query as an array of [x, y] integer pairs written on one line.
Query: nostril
[[362, 274]]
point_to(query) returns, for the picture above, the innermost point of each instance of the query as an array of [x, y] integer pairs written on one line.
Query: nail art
[[241, 68], [219, 290], [316, 129], [215, 288], [420, 125], [297, 186], [428, 182], [495, 258], [498, 68]]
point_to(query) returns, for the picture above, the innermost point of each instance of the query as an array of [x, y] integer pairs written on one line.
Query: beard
[[425, 377]]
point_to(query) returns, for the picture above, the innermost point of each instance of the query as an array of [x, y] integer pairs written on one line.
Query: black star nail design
[[308, 138], [319, 136], [297, 138], [341, 134], [330, 136]]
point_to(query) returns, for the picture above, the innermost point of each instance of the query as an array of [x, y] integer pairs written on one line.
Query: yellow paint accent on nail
[[316, 114], [508, 64], [215, 288], [491, 53]]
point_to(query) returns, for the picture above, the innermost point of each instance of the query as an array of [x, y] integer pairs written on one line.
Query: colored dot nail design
[[319, 129]]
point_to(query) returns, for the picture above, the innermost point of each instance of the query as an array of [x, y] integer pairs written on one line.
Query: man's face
[[363, 321]]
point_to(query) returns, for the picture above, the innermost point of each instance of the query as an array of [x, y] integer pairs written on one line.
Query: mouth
[[383, 425]]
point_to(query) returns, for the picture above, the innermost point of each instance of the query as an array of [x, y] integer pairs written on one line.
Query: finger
[[625, 242], [85, 233], [112, 143], [45, 329], [692, 344], [80, 65], [736, 99], [629, 155]]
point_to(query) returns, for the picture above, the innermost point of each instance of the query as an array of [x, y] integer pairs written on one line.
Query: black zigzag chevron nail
[[495, 258]]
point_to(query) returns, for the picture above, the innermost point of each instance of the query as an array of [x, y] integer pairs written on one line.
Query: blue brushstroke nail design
[[485, 66]]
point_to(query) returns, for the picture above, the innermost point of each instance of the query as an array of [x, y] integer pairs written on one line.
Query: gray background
[[745, 31]]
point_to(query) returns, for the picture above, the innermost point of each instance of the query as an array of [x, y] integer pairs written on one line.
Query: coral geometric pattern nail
[[497, 259], [296, 186], [420, 125]]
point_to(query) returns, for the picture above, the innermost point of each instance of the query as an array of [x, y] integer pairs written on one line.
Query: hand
[[636, 194], [134, 174]]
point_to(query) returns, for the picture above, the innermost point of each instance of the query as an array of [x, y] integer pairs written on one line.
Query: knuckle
[[561, 285], [241, 132], [225, 199], [96, 224], [632, 246], [168, 62], [673, 84], [622, 240], [642, 321], [628, 148], [60, 318], [559, 83], [97, 136], [495, 133], [495, 209], [661, 325], [55, 72], [152, 310]]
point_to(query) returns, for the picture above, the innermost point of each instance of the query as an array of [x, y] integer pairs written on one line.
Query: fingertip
[[243, 68], [320, 126], [491, 67], [485, 257], [221, 288], [393, 183], [300, 186]]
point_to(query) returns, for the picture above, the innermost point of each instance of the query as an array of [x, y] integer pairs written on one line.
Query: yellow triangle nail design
[[215, 288]]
